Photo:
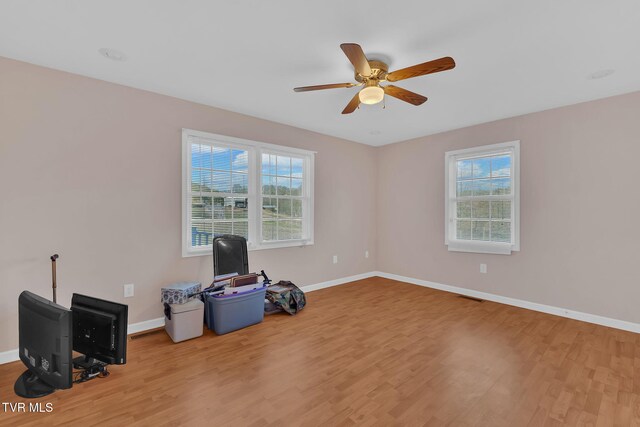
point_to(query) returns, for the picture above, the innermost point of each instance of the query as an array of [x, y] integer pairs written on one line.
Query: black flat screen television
[[45, 342], [99, 329]]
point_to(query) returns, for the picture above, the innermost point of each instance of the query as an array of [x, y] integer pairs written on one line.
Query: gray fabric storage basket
[[229, 313]]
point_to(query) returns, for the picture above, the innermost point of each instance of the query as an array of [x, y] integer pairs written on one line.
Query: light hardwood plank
[[374, 353]]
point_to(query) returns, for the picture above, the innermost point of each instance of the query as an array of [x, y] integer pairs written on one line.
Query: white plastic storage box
[[227, 313], [184, 321], [178, 293]]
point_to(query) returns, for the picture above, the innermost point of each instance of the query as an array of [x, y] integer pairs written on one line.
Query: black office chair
[[230, 255]]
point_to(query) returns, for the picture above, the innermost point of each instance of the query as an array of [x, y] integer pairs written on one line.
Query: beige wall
[[580, 209], [92, 170]]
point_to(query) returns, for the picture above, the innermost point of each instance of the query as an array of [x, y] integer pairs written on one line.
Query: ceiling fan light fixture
[[371, 95], [371, 73]]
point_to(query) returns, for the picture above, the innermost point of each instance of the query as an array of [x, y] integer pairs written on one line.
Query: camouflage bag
[[286, 296]]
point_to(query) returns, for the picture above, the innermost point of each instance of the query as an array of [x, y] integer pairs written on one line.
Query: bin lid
[[243, 291], [181, 286], [194, 304]]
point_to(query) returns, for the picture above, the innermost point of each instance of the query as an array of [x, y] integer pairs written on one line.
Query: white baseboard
[[558, 311], [336, 282], [134, 328], [9, 356], [159, 322], [12, 355]]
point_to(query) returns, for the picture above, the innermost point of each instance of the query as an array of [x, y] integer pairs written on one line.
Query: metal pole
[[54, 257]]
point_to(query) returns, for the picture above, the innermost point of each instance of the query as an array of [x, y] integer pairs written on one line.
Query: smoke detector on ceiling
[[112, 54], [601, 74]]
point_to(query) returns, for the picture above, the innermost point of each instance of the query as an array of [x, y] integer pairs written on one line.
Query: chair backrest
[[230, 255]]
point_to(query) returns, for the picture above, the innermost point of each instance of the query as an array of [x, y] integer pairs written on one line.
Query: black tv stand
[[30, 386], [91, 368]]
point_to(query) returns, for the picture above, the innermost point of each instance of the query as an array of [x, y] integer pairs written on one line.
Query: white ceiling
[[513, 57]]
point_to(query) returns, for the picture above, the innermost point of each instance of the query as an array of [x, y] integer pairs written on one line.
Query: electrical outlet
[[128, 290], [483, 268], [366, 254], [335, 259]]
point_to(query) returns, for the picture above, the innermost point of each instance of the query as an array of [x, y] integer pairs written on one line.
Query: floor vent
[[471, 298]]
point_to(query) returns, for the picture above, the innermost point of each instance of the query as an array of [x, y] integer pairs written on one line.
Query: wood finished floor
[[374, 352]]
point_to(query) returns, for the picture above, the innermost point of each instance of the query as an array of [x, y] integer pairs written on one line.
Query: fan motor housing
[[378, 72]]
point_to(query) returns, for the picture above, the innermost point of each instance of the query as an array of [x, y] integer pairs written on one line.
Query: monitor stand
[[91, 367], [30, 386]]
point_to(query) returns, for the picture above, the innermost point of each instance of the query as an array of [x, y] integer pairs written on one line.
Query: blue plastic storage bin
[[227, 313]]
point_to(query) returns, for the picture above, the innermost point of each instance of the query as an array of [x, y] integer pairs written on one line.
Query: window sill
[[281, 244], [208, 250], [481, 247]]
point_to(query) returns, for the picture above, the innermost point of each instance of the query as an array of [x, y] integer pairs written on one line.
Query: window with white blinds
[[260, 191], [482, 206], [284, 199], [219, 192]]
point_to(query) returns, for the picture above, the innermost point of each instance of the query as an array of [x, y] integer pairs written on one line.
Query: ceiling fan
[[371, 73]]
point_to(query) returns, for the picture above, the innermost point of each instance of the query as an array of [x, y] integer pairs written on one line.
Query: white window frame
[[254, 195], [458, 245]]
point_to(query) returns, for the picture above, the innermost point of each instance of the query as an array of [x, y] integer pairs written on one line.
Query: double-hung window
[[283, 196], [482, 199], [260, 191]]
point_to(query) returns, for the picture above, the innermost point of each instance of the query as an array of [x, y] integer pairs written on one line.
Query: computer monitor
[[45, 346], [99, 331]]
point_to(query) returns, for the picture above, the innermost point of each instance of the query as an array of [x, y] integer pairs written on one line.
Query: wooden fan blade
[[356, 56], [352, 105], [404, 95], [435, 66], [320, 87]]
